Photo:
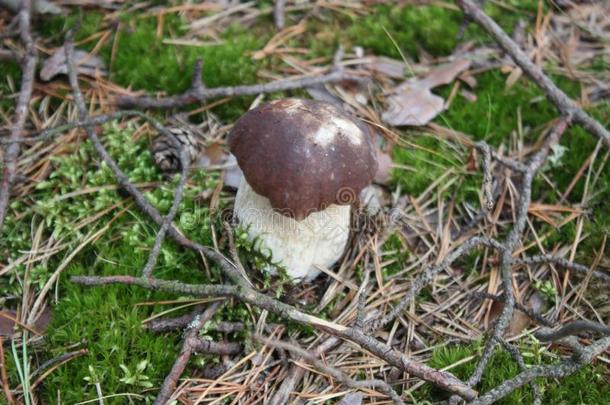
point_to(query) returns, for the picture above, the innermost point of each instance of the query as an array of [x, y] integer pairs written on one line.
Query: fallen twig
[[245, 294], [167, 221], [564, 104], [242, 291], [171, 380], [563, 369], [511, 243], [337, 374], [561, 262], [28, 66], [572, 329], [198, 93], [279, 13], [516, 355], [529, 312]]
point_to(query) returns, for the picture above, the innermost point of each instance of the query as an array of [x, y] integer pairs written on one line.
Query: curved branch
[[28, 66]]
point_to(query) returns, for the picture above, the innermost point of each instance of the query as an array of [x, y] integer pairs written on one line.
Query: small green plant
[[261, 258], [547, 289], [137, 378], [22, 365], [95, 376]]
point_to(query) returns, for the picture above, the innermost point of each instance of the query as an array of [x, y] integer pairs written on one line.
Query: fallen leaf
[[89, 65], [412, 102], [387, 66], [7, 325], [518, 323]]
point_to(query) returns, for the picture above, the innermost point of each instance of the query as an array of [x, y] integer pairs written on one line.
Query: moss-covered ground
[[109, 319]]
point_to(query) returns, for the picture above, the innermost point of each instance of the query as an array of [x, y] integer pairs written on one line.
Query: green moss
[[395, 250], [568, 390], [144, 62], [432, 28], [54, 28], [12, 74], [423, 160], [108, 318]]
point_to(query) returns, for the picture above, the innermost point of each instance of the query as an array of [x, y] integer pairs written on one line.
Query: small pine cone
[[167, 156]]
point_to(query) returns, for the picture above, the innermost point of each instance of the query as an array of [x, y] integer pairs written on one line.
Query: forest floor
[[67, 216]]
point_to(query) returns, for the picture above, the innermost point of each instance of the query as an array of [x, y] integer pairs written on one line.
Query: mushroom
[[304, 164]]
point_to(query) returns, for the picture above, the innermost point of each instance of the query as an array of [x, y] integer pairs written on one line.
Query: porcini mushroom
[[304, 163]]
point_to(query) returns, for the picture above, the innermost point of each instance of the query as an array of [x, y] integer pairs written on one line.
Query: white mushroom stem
[[301, 247]]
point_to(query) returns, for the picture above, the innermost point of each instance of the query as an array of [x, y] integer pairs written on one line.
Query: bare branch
[[201, 94], [279, 13], [561, 262], [167, 221], [572, 329], [170, 382], [28, 66], [565, 368], [199, 345], [500, 298], [245, 294], [487, 175], [516, 355], [169, 324], [562, 102], [337, 374], [511, 243], [428, 275]]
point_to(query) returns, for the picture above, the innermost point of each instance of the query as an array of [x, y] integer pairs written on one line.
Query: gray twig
[[178, 193], [500, 298], [337, 374], [201, 94], [563, 369], [562, 102], [279, 11], [171, 380], [511, 243], [566, 264], [572, 329], [28, 66], [428, 275], [246, 294]]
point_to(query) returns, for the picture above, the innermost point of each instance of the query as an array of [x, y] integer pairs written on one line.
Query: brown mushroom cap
[[303, 155]]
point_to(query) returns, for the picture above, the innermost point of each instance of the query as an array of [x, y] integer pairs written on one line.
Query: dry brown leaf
[[518, 323], [412, 102], [7, 323], [89, 65], [392, 68]]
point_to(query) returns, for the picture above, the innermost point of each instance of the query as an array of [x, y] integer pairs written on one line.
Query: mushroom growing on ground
[[304, 163]]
